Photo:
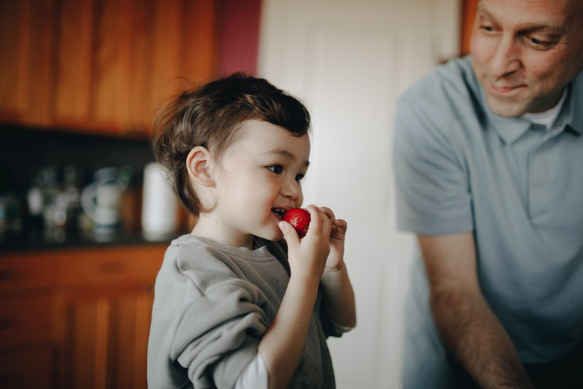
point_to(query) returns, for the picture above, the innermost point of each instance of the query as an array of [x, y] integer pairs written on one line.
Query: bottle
[[159, 205]]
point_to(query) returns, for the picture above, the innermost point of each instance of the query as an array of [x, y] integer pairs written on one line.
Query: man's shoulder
[[450, 89]]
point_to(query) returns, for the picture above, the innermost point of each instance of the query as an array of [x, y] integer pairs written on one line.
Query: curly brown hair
[[210, 116]]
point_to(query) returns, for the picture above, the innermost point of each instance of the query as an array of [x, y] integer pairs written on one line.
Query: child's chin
[[273, 236]]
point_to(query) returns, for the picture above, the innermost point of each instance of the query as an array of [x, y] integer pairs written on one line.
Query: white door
[[349, 60]]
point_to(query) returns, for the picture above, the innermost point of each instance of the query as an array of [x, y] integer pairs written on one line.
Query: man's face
[[524, 52]]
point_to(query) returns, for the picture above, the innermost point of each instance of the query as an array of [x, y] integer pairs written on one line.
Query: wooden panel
[[110, 265], [199, 43], [14, 43], [130, 319], [27, 270], [469, 15], [144, 303], [140, 66], [105, 339], [87, 329], [101, 65], [122, 352], [166, 46], [111, 41], [24, 320], [41, 69], [29, 369], [74, 66]]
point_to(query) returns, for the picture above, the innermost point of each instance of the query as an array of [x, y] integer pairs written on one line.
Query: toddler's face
[[261, 173]]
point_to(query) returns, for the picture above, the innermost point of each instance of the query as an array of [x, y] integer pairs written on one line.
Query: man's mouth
[[278, 212], [504, 89]]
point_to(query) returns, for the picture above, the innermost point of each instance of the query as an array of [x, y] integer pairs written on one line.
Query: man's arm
[[465, 322]]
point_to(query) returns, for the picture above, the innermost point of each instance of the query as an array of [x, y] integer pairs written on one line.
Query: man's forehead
[[553, 13]]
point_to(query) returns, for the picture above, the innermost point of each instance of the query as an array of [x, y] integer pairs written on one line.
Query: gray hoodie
[[213, 303]]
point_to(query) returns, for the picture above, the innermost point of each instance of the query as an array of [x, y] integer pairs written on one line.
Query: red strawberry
[[299, 219]]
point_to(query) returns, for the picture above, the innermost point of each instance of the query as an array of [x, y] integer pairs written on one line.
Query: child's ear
[[198, 164]]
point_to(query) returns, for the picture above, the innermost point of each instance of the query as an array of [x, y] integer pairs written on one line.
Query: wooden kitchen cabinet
[[100, 65], [470, 8], [81, 316], [26, 369]]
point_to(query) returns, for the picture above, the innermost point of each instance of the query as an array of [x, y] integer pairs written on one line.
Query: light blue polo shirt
[[458, 168]]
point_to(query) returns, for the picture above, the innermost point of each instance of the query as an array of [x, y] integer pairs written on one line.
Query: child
[[236, 306]]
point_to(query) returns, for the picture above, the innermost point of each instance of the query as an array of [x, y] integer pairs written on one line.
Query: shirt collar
[[509, 129], [571, 116]]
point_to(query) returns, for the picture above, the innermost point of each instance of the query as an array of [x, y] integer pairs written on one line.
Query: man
[[489, 172]]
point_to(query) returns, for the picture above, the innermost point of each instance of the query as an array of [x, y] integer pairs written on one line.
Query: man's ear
[[198, 164]]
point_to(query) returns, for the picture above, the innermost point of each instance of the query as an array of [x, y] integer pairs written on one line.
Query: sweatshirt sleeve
[[206, 323]]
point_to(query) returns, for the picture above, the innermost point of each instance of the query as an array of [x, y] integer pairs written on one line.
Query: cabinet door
[[26, 61], [100, 65], [25, 321], [27, 369], [118, 59], [105, 340], [469, 15]]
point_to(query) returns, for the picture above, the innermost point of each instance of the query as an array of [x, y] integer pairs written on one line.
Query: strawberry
[[299, 219]]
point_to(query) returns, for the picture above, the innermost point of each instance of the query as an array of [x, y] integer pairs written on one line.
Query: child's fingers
[[341, 225], [322, 223], [328, 212], [290, 235], [315, 219], [326, 223]]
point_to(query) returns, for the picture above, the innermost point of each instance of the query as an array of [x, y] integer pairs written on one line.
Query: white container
[[159, 204]]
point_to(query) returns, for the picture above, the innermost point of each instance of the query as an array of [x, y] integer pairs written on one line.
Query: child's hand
[[337, 237], [307, 258]]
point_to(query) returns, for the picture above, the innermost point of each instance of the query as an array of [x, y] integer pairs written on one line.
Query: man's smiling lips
[[503, 90]]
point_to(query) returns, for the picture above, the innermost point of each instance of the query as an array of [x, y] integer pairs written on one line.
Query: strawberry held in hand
[[299, 219]]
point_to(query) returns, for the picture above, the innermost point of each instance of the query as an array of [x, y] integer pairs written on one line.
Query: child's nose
[[292, 190]]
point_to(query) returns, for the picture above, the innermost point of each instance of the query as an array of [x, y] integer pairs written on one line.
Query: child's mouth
[[278, 212]]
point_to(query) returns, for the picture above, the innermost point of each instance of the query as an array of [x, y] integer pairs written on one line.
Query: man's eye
[[277, 169], [539, 43], [486, 28], [299, 177]]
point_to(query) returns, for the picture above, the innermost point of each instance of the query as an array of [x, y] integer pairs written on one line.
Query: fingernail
[[282, 225]]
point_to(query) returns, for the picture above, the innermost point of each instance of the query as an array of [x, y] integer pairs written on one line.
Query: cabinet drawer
[[27, 271], [103, 265], [29, 369], [24, 320]]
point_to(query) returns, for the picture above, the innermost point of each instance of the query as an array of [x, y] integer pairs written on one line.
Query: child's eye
[[299, 177], [277, 169]]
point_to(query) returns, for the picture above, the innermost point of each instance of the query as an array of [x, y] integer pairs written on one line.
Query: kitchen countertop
[[18, 242]]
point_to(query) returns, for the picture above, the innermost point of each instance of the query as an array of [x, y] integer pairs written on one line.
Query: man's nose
[[506, 57]]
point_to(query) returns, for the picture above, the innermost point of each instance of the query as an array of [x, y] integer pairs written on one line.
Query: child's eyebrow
[[283, 153], [286, 154]]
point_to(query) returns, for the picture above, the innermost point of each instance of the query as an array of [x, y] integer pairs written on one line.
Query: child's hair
[[210, 116]]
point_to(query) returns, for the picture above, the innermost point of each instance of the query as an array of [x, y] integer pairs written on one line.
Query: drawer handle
[[111, 268], [6, 275]]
